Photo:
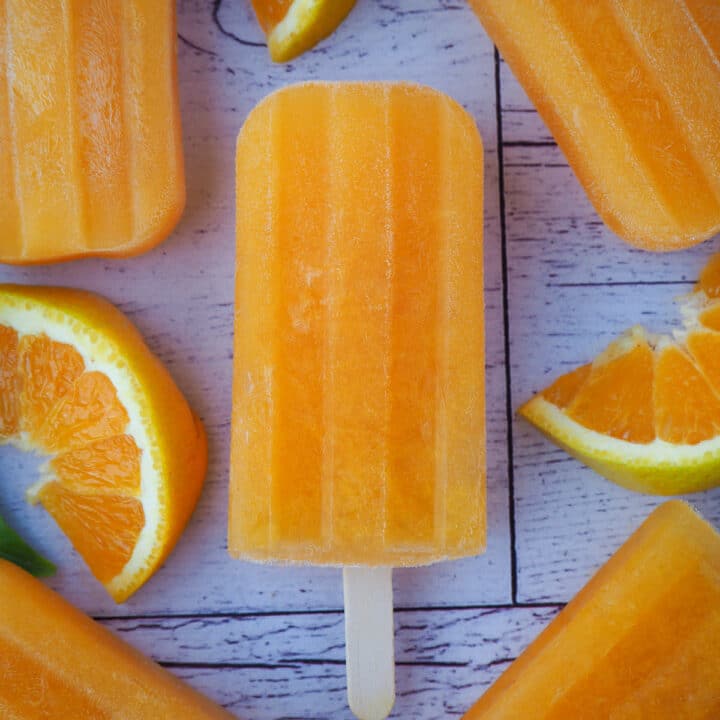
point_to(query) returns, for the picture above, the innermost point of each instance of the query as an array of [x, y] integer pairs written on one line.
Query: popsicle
[[631, 91], [639, 641], [358, 410], [55, 662], [91, 160]]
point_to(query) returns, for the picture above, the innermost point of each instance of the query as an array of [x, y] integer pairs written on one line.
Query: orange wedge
[[646, 412], [294, 26], [126, 457]]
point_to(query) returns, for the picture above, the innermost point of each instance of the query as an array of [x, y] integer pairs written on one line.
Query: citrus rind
[[658, 467]]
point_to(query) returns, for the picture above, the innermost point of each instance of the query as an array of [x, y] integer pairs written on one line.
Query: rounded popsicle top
[[371, 88]]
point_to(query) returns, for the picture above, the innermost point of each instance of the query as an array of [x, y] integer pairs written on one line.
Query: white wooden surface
[[267, 642]]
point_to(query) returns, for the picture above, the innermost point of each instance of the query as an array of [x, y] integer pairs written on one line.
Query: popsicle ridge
[[42, 118], [155, 168], [417, 138], [106, 153], [360, 297], [8, 159], [367, 279]]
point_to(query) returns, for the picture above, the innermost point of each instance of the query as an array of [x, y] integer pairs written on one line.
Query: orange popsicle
[[56, 662], [639, 641], [91, 152], [358, 414], [631, 91]]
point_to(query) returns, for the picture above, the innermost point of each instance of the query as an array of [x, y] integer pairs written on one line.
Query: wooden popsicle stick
[[369, 641]]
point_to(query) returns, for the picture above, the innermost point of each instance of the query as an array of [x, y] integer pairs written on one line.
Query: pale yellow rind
[[306, 23], [658, 468]]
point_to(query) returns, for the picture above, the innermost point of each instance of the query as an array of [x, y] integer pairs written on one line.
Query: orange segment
[[565, 388], [103, 528], [47, 371], [270, 12], [710, 318], [8, 381], [616, 399], [704, 346], [111, 464], [686, 409], [89, 411], [709, 281]]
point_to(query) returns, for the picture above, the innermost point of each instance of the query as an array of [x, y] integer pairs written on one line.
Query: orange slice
[[126, 455], [646, 412], [294, 26]]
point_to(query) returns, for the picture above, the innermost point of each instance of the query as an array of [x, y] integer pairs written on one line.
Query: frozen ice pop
[[358, 411], [358, 416], [90, 146], [639, 641], [631, 91], [56, 662]]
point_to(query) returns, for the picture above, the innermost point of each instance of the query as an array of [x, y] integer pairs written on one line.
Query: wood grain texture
[[280, 666]]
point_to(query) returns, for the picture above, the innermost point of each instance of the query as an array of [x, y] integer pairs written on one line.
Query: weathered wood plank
[[265, 666]]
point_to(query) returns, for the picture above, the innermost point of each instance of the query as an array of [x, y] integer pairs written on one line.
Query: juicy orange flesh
[[111, 464], [46, 371], [103, 528], [565, 388], [76, 416], [710, 318], [89, 411], [270, 12], [617, 397], [686, 409], [644, 393], [704, 346], [709, 281]]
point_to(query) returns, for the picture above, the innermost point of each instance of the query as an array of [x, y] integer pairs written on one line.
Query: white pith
[[293, 19], [597, 445], [100, 354]]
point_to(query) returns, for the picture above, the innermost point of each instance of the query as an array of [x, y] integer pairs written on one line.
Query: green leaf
[[16, 550]]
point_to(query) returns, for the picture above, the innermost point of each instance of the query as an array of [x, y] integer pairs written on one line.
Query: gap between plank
[[506, 329], [339, 612]]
